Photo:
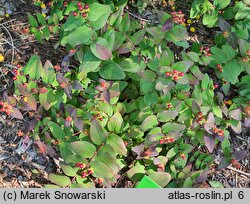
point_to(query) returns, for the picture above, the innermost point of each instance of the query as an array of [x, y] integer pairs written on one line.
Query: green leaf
[[111, 71], [101, 170], [68, 170], [210, 19], [48, 73], [136, 172], [80, 35], [97, 134], [41, 19], [34, 67], [221, 4], [83, 149], [216, 184], [32, 21], [231, 71], [138, 37], [56, 130], [98, 15], [101, 49], [90, 63], [47, 99], [161, 178], [115, 123], [167, 115], [172, 127], [117, 143], [177, 33], [59, 180], [149, 123]]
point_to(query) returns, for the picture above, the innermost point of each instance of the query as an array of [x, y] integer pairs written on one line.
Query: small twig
[[138, 17], [239, 171], [12, 44]]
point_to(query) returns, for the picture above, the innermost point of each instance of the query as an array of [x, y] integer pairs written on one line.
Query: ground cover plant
[[131, 97]]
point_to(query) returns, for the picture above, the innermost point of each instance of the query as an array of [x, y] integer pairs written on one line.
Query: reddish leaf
[[41, 147], [168, 25], [16, 113], [50, 151], [23, 90], [209, 124], [103, 52], [78, 123], [65, 63], [235, 114], [239, 155], [209, 142], [31, 101]]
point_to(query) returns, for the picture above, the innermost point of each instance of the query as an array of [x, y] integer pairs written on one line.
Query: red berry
[[181, 74], [1, 103], [171, 139], [43, 90], [175, 78], [168, 74], [18, 66], [65, 3], [161, 141], [14, 78], [86, 6], [69, 119], [74, 13], [80, 8], [161, 166], [179, 12], [90, 171], [175, 72], [79, 4], [216, 86], [207, 49], [100, 180], [183, 156], [84, 175], [84, 15], [25, 85]]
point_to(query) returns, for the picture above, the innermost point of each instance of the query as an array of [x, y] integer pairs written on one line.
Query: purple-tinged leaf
[[138, 149], [233, 40], [237, 129], [65, 63], [23, 90], [61, 79], [195, 107], [150, 151], [225, 162], [175, 135], [202, 177], [16, 113], [24, 106], [126, 48], [246, 122], [168, 25], [239, 155], [78, 123], [105, 96], [67, 123], [101, 49], [235, 114], [77, 85], [209, 124], [209, 142], [224, 25], [68, 91], [31, 125], [50, 151], [31, 101], [72, 111]]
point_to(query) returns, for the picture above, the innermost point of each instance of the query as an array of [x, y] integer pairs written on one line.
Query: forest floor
[[20, 163]]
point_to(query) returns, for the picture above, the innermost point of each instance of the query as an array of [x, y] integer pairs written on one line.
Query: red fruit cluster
[[218, 131], [219, 67], [200, 118], [235, 163], [205, 51], [166, 140], [178, 17], [248, 52], [15, 71], [183, 156], [82, 10], [84, 171], [20, 133], [98, 116], [176, 75], [5, 108], [245, 59], [100, 180]]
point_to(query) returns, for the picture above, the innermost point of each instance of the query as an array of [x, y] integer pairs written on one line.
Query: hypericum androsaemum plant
[[129, 95]]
